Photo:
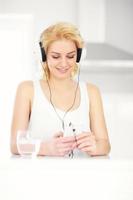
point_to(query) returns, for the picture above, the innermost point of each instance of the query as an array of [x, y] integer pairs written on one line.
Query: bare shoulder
[[94, 96], [25, 85], [93, 90], [25, 88]]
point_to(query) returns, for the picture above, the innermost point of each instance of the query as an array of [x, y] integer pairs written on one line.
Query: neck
[[61, 85]]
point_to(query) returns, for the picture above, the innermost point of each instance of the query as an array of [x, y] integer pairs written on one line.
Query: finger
[[84, 144], [64, 151], [74, 145], [90, 137], [59, 134], [82, 140], [65, 145], [89, 149], [68, 139], [82, 135], [90, 140], [86, 149]]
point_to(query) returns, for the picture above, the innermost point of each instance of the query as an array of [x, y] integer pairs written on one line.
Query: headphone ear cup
[[42, 52], [79, 52]]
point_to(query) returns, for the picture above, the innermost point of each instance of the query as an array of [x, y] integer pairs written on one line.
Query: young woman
[[67, 115]]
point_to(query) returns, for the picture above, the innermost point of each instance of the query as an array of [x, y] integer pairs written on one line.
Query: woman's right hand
[[58, 145]]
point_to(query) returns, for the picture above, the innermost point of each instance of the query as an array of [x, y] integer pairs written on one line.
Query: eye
[[70, 57], [55, 57]]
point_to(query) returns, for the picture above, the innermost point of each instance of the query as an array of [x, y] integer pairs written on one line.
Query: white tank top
[[44, 122]]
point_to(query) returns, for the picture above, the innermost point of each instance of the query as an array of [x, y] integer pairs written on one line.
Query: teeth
[[62, 70]]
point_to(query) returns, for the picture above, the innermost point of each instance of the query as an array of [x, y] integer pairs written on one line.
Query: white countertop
[[63, 178]]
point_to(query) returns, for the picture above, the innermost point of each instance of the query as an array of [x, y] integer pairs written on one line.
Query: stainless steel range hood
[[103, 56]]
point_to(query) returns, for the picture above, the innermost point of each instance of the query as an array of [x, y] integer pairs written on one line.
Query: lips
[[62, 70]]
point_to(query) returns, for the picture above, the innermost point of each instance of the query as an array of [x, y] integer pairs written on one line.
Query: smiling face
[[61, 58]]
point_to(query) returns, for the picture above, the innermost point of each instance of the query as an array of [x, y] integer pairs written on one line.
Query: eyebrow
[[59, 53]]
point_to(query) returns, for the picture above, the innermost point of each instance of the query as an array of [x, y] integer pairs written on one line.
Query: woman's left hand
[[86, 142]]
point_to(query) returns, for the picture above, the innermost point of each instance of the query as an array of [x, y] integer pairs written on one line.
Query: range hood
[[107, 57]]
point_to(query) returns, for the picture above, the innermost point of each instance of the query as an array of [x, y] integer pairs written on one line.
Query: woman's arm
[[96, 142], [97, 121], [21, 113]]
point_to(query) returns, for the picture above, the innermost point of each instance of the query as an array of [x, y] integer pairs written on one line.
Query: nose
[[63, 62]]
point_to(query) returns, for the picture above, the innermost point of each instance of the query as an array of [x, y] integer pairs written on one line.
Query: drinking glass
[[27, 146]]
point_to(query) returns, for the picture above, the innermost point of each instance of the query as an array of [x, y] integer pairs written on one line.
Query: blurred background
[[107, 28]]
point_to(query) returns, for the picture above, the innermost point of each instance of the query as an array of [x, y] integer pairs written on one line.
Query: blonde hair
[[61, 30]]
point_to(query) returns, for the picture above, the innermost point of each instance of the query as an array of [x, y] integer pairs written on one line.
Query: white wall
[[91, 20], [44, 12], [119, 24], [117, 95], [15, 65], [99, 20]]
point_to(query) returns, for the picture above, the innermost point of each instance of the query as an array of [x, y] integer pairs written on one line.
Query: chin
[[63, 75]]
